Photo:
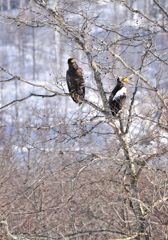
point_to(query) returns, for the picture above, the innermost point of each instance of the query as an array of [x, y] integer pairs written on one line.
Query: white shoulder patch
[[121, 92]]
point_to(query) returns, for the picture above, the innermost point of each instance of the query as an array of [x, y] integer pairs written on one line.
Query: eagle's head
[[72, 62], [124, 80]]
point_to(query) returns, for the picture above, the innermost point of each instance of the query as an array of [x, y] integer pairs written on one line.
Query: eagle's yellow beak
[[125, 80]]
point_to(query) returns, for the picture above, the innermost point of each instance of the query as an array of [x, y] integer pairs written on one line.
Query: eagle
[[118, 96], [75, 81]]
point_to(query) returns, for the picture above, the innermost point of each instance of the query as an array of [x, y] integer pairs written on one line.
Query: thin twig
[[141, 77]]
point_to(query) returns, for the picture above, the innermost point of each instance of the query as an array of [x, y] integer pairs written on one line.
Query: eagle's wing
[[117, 101], [113, 94], [70, 83], [80, 82], [76, 85]]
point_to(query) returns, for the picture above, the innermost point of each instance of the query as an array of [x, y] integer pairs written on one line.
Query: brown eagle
[[75, 81], [118, 96]]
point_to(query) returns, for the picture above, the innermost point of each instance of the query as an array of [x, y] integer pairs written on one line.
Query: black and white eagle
[[75, 81], [118, 96]]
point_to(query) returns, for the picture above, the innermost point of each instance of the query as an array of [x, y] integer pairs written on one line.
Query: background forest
[[76, 172]]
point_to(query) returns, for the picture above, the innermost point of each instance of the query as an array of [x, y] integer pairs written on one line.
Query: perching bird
[[75, 81], [118, 96]]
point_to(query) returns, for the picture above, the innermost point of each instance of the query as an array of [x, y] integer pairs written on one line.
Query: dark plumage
[[118, 96], [75, 81]]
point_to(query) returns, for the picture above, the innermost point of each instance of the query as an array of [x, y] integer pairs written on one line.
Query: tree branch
[[136, 11], [140, 77], [160, 7], [130, 108]]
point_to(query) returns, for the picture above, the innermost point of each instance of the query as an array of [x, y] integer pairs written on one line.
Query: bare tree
[[80, 173]]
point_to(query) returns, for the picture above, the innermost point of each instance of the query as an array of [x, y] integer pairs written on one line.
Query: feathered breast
[[122, 92]]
